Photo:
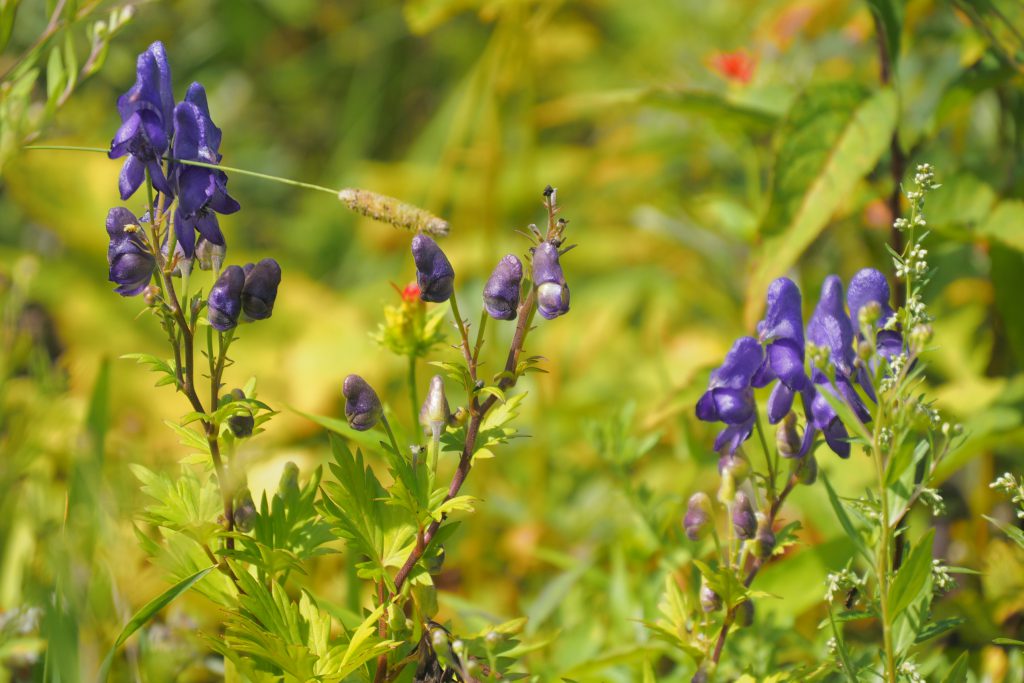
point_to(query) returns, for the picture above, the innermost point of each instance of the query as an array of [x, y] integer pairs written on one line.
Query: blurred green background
[[682, 180]]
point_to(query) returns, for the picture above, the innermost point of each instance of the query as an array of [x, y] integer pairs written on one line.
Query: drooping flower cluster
[[153, 125], [778, 357]]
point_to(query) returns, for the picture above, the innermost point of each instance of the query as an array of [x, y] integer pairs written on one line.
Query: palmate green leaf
[[844, 520], [189, 504], [724, 582], [148, 612], [833, 137], [912, 578], [359, 508]]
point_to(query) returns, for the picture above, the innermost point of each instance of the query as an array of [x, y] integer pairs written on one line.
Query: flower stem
[[413, 393], [464, 334]]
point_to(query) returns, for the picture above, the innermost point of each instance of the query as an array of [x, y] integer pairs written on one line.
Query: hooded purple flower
[[501, 293], [870, 286], [782, 331], [434, 273], [145, 131], [552, 290], [730, 396], [225, 300], [202, 192], [362, 406], [131, 264], [830, 327], [260, 289]]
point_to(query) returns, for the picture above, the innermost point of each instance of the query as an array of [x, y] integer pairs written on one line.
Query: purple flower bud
[[710, 601], [245, 513], [145, 130], [787, 438], [806, 469], [225, 300], [362, 407], [130, 263], [434, 273], [552, 290], [260, 289], [242, 424], [501, 294], [744, 523], [698, 514]]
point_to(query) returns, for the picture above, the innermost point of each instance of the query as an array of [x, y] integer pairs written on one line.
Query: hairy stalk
[[882, 563], [464, 335]]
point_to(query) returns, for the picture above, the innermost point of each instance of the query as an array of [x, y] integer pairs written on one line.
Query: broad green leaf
[[845, 522], [8, 11], [889, 15], [912, 577], [958, 672], [833, 137], [148, 612]]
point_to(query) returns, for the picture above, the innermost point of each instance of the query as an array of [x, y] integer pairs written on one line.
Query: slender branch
[[464, 334], [382, 631], [526, 311]]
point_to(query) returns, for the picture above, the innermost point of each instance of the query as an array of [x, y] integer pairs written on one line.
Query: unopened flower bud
[[869, 314], [439, 639], [434, 272], [225, 301], [260, 291], [151, 295], [920, 336], [435, 413], [362, 407], [787, 437], [710, 601], [242, 424], [764, 541], [245, 512], [698, 514], [552, 290], [701, 676], [289, 481], [735, 465], [806, 469], [727, 489], [501, 293], [744, 523], [745, 613], [864, 349], [209, 255]]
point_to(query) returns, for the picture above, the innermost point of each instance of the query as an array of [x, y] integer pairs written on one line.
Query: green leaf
[[1013, 532], [1006, 224], [845, 522], [56, 77], [912, 577], [833, 137], [8, 10], [958, 672], [148, 612], [1008, 641]]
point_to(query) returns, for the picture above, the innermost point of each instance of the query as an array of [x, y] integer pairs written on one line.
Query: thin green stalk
[[391, 434], [464, 334], [220, 167], [882, 566], [414, 397], [770, 463]]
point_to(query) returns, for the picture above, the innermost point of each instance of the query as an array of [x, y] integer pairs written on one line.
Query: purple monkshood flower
[[870, 286], [202, 192], [131, 264], [225, 300], [501, 293], [434, 273], [145, 132], [362, 406], [260, 289], [782, 331], [552, 290], [830, 327], [730, 396]]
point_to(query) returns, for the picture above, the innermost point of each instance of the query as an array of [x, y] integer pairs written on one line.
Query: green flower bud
[[788, 438], [710, 601], [425, 597], [435, 413], [745, 613], [764, 541], [245, 512], [289, 479]]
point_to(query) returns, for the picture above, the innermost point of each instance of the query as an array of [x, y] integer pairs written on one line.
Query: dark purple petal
[[552, 290], [221, 201], [434, 273], [152, 88], [764, 375], [779, 403], [225, 300], [853, 400], [156, 173], [362, 406], [890, 344], [730, 438], [185, 231], [196, 95], [830, 326], [827, 421], [501, 293], [131, 266], [133, 174], [783, 317], [260, 290], [869, 286], [209, 228], [742, 361], [786, 358], [195, 187]]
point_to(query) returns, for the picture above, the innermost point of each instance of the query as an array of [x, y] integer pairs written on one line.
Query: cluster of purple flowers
[[153, 125], [777, 357]]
